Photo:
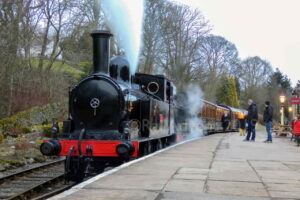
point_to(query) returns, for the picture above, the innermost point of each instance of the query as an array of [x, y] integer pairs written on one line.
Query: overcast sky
[[269, 29]]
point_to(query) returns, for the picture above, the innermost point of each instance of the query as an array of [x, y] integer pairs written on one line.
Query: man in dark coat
[[252, 118], [268, 115]]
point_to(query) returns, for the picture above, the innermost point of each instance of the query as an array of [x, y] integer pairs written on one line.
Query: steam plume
[[195, 104], [125, 18]]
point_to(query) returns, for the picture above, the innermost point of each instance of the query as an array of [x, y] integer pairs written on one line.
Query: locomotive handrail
[[67, 161], [79, 141], [157, 97]]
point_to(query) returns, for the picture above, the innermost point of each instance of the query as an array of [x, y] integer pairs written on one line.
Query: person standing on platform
[[225, 120], [242, 124], [293, 122], [296, 130], [268, 116], [252, 118], [292, 125]]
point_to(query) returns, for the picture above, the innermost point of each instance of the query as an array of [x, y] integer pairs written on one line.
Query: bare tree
[[182, 29], [29, 24], [218, 56], [22, 23], [16, 33], [153, 44], [76, 45], [254, 72], [92, 14], [59, 19]]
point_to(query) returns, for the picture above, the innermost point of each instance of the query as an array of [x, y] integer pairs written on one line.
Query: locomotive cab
[[156, 85]]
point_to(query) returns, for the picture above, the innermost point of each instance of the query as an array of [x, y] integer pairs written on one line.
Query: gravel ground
[[29, 166]]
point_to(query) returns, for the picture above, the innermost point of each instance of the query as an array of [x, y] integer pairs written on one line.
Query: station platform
[[219, 166]]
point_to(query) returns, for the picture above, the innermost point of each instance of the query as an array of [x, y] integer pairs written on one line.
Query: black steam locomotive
[[113, 116]]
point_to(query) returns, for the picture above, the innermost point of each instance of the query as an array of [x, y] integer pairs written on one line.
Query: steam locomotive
[[115, 116]]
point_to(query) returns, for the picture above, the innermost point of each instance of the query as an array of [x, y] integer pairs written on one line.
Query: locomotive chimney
[[101, 49]]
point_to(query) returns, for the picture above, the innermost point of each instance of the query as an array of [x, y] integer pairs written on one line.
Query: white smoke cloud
[[195, 104], [125, 18]]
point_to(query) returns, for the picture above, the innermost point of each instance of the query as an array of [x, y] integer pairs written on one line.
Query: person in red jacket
[[296, 130]]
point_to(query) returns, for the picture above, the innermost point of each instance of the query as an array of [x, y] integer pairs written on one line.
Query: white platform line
[[95, 178]]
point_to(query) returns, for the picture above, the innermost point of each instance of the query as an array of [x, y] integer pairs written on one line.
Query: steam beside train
[[115, 116]]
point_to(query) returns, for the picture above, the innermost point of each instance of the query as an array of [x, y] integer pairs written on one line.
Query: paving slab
[[237, 188], [234, 175], [185, 170], [176, 185], [285, 194], [280, 181], [190, 176], [148, 170], [283, 187], [269, 165], [129, 182], [202, 196], [278, 174], [216, 167], [109, 194], [293, 165], [232, 171]]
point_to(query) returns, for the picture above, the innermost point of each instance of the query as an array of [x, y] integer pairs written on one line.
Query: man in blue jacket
[[252, 118]]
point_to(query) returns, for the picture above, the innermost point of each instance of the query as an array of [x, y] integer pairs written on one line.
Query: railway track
[[38, 182]]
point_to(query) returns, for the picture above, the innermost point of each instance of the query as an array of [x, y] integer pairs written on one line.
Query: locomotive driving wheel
[[74, 170], [145, 149]]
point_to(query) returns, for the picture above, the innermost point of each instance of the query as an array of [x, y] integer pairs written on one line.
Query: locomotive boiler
[[113, 116]]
